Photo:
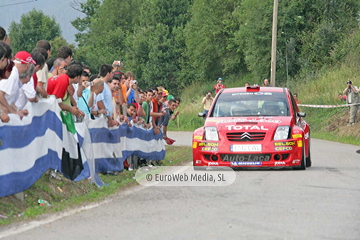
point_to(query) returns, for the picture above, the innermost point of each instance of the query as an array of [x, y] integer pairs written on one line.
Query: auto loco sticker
[[292, 143], [283, 148]]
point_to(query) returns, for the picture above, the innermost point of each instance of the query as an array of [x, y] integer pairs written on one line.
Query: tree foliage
[[175, 42], [33, 26]]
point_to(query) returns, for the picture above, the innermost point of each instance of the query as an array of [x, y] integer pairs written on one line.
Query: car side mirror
[[202, 114], [301, 114]]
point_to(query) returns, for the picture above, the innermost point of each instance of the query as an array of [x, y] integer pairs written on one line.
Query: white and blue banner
[[40, 141]]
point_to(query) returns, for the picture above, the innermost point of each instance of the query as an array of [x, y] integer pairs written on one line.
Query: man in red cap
[[10, 89]]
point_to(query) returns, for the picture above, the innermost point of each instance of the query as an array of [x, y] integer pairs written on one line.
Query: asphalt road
[[322, 202]]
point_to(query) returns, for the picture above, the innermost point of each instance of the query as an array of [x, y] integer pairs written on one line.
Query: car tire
[[308, 159], [303, 161]]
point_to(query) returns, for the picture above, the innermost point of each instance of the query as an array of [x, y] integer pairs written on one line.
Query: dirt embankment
[[338, 124]]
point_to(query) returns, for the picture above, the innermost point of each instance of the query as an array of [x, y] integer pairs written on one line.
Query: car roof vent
[[252, 88]]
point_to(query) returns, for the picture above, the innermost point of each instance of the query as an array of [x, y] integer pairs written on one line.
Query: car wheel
[[303, 161], [308, 159]]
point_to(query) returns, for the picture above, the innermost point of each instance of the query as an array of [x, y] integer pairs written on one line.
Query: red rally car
[[253, 127]]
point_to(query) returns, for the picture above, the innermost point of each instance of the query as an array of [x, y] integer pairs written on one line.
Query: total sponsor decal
[[210, 149], [213, 164], [279, 163], [208, 144], [283, 148], [245, 127], [292, 143], [246, 163]]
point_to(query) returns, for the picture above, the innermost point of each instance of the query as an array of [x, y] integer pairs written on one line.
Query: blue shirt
[[131, 97], [106, 98], [83, 104]]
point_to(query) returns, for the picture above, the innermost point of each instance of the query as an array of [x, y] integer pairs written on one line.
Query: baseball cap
[[170, 97], [117, 74], [219, 79], [24, 58], [164, 94]]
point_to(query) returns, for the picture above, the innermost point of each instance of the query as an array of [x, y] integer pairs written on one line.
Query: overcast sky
[[11, 10]]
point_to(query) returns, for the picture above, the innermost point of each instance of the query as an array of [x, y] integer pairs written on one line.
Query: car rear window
[[241, 104]]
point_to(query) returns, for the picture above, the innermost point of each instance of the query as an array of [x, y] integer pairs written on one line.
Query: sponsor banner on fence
[[41, 141]]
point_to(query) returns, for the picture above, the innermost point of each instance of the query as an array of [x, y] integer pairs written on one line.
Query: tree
[[156, 47], [210, 39], [33, 26], [89, 8], [104, 42]]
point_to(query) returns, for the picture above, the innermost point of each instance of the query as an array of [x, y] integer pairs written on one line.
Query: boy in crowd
[[218, 86], [82, 102], [164, 120], [96, 89], [104, 99]]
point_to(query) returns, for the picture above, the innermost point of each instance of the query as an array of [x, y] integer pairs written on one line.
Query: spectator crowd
[[27, 77]]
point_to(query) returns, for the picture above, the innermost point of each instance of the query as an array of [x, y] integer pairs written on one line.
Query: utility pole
[[273, 45]]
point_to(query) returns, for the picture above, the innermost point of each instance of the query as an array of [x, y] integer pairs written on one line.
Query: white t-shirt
[[26, 91], [95, 107], [43, 75], [11, 86]]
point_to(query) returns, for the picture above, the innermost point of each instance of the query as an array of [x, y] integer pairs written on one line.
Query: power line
[[10, 4]]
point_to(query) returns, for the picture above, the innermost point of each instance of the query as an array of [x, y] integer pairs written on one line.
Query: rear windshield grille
[[245, 136]]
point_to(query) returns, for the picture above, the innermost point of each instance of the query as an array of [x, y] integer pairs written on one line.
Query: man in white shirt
[[10, 88]]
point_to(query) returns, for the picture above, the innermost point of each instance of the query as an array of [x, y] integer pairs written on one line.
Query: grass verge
[[65, 194]]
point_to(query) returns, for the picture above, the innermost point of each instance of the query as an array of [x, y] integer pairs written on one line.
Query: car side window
[[294, 107]]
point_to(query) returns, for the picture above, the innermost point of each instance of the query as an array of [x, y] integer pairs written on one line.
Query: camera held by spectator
[[349, 83]]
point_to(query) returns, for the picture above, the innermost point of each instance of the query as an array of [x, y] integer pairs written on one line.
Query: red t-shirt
[[57, 85], [35, 80], [218, 88], [155, 108]]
